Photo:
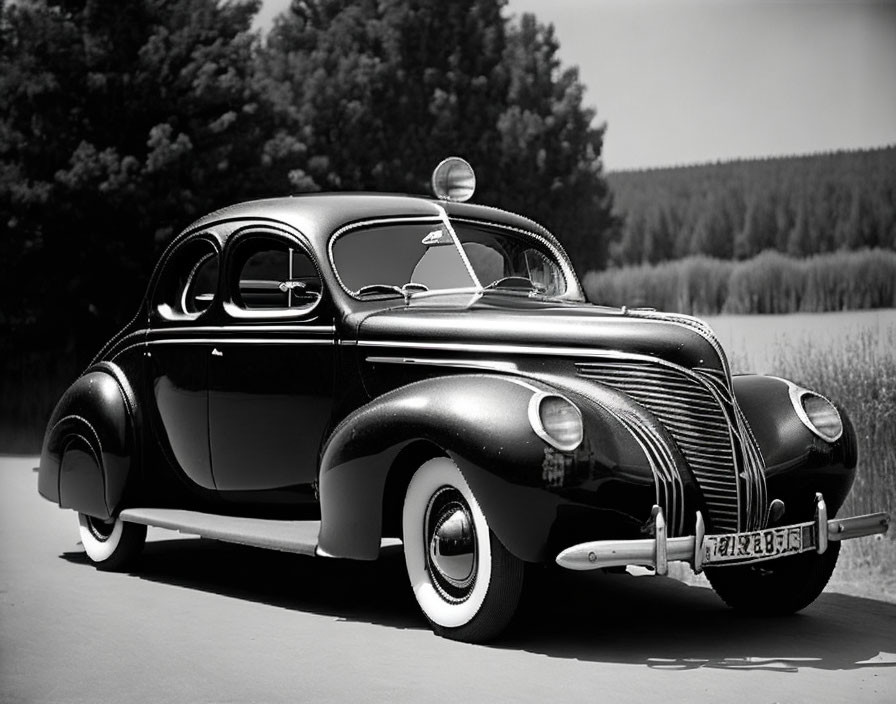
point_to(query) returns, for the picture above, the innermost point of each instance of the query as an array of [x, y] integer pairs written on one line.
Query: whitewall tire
[[466, 582], [111, 545]]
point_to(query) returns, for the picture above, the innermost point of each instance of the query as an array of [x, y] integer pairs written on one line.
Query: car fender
[[798, 462], [89, 449], [481, 422]]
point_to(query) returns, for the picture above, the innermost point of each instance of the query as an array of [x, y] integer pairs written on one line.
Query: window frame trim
[[236, 240], [163, 309]]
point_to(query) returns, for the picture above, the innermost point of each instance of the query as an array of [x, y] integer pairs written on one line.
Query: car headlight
[[824, 419], [556, 420], [817, 413]]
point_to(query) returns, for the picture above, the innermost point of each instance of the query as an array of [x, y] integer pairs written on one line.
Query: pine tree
[[377, 93], [120, 123]]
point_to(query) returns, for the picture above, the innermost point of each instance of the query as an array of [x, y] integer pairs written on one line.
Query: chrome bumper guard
[[659, 551]]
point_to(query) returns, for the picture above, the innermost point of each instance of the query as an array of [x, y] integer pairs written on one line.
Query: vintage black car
[[327, 373]]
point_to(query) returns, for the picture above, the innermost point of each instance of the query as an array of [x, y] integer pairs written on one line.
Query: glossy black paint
[[481, 421], [89, 452], [798, 462], [332, 408]]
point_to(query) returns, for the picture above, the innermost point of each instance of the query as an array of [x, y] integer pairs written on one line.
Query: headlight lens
[[823, 416], [556, 420]]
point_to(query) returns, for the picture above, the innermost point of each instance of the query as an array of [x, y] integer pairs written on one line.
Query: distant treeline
[[769, 283], [795, 205]]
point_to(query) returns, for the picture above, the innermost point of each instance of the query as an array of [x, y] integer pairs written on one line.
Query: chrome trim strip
[[665, 469], [239, 341], [655, 467], [511, 348], [193, 329], [458, 363], [244, 328]]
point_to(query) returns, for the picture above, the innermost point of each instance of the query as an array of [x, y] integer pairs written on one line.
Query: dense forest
[[800, 206]]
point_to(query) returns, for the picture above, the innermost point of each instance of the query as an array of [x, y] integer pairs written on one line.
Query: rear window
[[188, 283]]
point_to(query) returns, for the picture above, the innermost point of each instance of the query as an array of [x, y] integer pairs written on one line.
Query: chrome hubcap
[[451, 544], [101, 530]]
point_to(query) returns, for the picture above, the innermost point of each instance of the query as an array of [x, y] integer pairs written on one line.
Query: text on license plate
[[758, 545]]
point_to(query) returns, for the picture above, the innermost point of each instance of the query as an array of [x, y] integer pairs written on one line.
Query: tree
[[120, 122], [371, 95]]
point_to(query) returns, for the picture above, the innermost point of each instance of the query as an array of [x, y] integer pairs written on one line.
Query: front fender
[[798, 462], [89, 448], [481, 422]]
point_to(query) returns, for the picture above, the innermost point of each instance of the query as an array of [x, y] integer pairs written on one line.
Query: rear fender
[[88, 454]]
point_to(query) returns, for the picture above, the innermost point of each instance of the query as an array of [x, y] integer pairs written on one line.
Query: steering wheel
[[512, 282]]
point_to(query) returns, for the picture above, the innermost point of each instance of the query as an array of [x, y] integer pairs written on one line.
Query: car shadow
[[653, 621], [376, 592], [666, 624]]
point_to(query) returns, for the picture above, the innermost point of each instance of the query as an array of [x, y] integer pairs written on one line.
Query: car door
[[271, 373], [177, 356]]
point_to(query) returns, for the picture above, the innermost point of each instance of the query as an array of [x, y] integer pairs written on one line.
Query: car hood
[[493, 321]]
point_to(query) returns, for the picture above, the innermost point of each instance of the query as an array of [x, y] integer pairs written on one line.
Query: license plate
[[759, 545]]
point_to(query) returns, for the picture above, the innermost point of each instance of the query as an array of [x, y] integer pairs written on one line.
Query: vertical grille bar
[[699, 411]]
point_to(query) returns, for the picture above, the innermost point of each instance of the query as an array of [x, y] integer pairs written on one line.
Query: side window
[[270, 275], [189, 282]]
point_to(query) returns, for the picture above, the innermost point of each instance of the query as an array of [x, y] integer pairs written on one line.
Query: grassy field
[[851, 359], [769, 283]]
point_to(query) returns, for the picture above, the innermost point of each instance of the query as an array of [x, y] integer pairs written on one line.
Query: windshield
[[404, 258]]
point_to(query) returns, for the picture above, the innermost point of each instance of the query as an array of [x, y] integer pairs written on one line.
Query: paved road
[[207, 622]]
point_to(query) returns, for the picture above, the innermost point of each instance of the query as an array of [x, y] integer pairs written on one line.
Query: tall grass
[[769, 283], [859, 373]]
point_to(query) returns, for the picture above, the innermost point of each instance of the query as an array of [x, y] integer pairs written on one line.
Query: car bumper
[[700, 549]]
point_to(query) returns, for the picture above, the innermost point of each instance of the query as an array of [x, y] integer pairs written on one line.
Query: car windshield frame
[[476, 287]]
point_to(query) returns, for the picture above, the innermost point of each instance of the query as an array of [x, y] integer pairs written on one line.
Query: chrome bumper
[[658, 552]]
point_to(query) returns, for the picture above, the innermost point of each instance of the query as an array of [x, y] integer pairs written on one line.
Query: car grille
[[698, 410]]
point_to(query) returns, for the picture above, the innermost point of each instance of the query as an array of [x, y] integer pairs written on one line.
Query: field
[[769, 283], [851, 358]]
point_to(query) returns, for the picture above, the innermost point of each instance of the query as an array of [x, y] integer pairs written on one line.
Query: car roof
[[319, 215]]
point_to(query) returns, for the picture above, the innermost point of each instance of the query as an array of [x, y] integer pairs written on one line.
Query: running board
[[287, 536]]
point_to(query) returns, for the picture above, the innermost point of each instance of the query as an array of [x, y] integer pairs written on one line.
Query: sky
[[693, 81]]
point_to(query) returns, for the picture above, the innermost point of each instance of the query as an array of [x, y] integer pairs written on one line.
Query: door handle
[[216, 352]]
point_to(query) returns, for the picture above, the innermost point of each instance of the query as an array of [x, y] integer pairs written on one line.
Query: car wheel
[[113, 544], [465, 581], [777, 587]]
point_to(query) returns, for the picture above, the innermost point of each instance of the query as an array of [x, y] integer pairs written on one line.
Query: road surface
[[201, 621]]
